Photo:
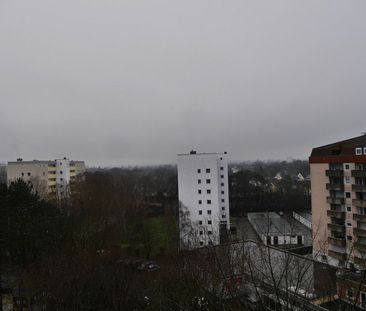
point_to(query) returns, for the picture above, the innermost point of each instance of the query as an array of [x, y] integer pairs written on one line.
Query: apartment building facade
[[203, 192], [338, 198], [49, 178]]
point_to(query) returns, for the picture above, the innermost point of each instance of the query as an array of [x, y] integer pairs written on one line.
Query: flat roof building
[[49, 178], [280, 230], [203, 199]]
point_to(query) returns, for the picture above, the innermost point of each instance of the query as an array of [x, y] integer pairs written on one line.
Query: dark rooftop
[[340, 148]]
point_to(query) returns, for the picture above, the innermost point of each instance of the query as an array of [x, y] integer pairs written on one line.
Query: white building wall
[[62, 177], [34, 172], [203, 197]]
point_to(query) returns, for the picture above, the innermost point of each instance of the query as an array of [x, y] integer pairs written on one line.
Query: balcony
[[337, 228], [334, 173], [359, 188], [359, 232], [358, 173], [336, 187], [361, 262], [334, 200], [360, 246], [359, 217], [337, 255], [337, 214], [337, 242], [359, 203]]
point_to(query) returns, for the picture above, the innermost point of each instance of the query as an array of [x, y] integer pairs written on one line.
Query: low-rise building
[[280, 230]]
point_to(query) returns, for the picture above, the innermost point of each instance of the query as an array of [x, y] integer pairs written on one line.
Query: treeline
[[253, 186]]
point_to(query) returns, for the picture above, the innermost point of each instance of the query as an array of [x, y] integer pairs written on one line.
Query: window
[[222, 176], [29, 174], [200, 212], [200, 222], [61, 179], [208, 181], [268, 240], [350, 293], [348, 195], [222, 184], [22, 174], [208, 170], [209, 212], [222, 192], [349, 224], [363, 299], [201, 232], [222, 200], [221, 168], [208, 201], [223, 208], [210, 243], [199, 181], [199, 191], [347, 180], [358, 151], [346, 166], [199, 201], [275, 240], [349, 209], [208, 191], [223, 216], [201, 243], [220, 158], [364, 150], [61, 172], [209, 222], [198, 170], [209, 232], [299, 239], [349, 238]]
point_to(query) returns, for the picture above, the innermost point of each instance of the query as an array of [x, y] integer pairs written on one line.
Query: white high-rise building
[[203, 198]]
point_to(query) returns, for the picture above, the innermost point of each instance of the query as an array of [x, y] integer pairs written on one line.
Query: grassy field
[[156, 236]]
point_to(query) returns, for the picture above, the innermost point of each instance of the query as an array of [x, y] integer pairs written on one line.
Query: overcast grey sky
[[136, 82]]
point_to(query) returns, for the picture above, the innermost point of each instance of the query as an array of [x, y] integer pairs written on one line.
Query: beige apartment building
[[49, 178], [338, 198]]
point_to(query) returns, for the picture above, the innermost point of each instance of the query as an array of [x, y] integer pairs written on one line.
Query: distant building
[[203, 198], [49, 178], [278, 176], [338, 199], [280, 230], [300, 177]]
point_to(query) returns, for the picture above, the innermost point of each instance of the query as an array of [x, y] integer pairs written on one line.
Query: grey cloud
[[135, 82]]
